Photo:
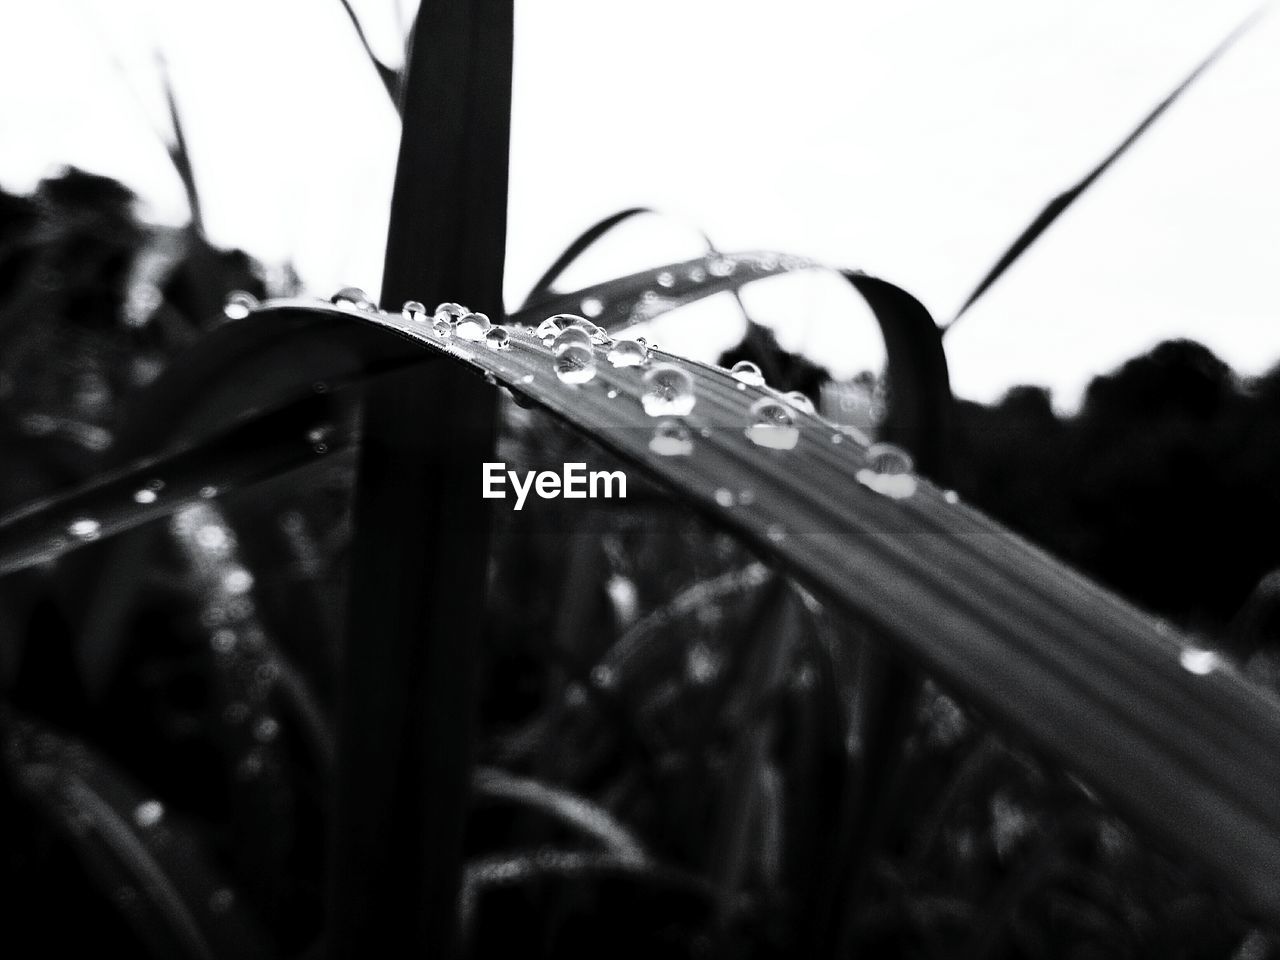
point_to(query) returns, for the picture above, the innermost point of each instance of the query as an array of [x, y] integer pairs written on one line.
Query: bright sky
[[911, 139]]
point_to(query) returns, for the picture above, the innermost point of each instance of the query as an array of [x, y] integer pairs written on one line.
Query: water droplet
[[744, 371], [950, 496], [450, 313], [442, 327], [776, 532], [148, 813], [414, 311], [597, 333], [527, 378], [497, 338], [800, 401], [602, 676], [721, 267], [888, 472], [746, 497], [490, 379], [575, 364], [592, 306], [668, 392], [223, 641], [724, 497], [772, 425], [1198, 661], [550, 328], [221, 900], [250, 767], [266, 729], [208, 492], [212, 537], [145, 496], [472, 326], [86, 528], [571, 337], [666, 279], [353, 297], [701, 664], [671, 438], [697, 274], [626, 352], [237, 581], [612, 393], [837, 438], [239, 305]]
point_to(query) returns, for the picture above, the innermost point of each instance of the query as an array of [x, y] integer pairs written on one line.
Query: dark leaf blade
[[407, 690], [1059, 204], [541, 290], [154, 870], [255, 449]]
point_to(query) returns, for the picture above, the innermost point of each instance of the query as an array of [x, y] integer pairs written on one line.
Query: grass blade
[[406, 697], [1059, 204]]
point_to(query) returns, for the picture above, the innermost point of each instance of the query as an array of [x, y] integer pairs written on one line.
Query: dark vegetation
[[608, 731], [1163, 486]]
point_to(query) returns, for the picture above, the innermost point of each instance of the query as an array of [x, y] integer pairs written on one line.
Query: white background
[[913, 139]]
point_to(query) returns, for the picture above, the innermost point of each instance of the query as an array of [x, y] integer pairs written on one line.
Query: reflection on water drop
[[772, 425], [950, 496], [575, 364], [497, 338], [266, 730], [145, 496], [666, 279], [550, 328], [800, 401], [353, 297], [701, 664], [472, 326], [570, 337], [148, 813], [450, 312], [527, 378], [237, 581], [628, 353], [724, 497], [668, 392], [239, 305], [888, 472], [612, 394], [1198, 661], [671, 438], [86, 528], [208, 491], [414, 311], [592, 306], [744, 371]]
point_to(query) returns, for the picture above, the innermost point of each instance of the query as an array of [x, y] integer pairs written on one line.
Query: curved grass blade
[[542, 288], [566, 807], [648, 293], [390, 78], [149, 866], [1179, 742], [255, 449], [1059, 204]]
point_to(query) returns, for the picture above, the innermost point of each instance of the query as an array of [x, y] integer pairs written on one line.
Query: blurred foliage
[[643, 668]]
